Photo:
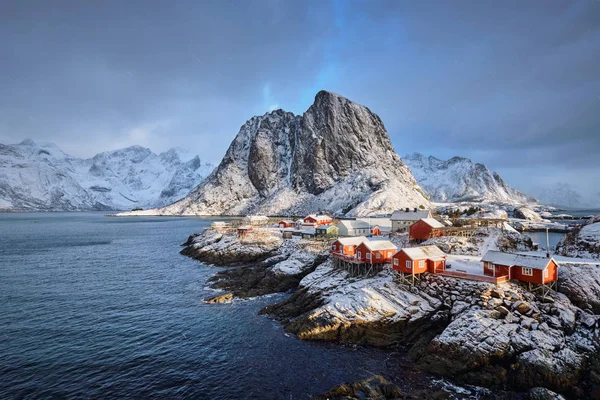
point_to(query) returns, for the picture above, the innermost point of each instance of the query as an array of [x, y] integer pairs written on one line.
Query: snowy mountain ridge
[[40, 176], [336, 157], [461, 180]]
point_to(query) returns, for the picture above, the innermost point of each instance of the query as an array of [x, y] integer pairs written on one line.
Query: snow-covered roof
[[380, 222], [411, 215], [379, 245], [353, 224], [309, 231], [245, 227], [521, 260], [315, 216], [434, 223], [287, 221], [352, 241], [419, 253]]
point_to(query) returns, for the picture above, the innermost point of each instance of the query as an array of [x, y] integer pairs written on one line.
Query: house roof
[[308, 231], [244, 227], [352, 241], [315, 216], [380, 222], [354, 224], [287, 221], [419, 253], [411, 215], [379, 245], [434, 223], [520, 260]]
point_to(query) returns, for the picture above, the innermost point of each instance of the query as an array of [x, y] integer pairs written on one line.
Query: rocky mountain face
[[41, 177], [461, 180], [336, 157]]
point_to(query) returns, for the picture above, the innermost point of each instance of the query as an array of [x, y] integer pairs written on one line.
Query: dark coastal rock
[[214, 248], [221, 298], [540, 393], [581, 284], [373, 388]]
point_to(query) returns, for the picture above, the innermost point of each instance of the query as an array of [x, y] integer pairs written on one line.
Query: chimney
[[415, 209], [406, 209]]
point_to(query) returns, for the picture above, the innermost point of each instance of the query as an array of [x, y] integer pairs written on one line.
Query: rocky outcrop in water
[[472, 332], [336, 157]]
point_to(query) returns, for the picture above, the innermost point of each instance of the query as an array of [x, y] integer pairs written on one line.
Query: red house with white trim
[[286, 223], [346, 246], [425, 229], [317, 220], [416, 260], [375, 251], [525, 268]]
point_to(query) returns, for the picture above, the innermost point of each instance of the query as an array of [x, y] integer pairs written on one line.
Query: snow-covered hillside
[[460, 180], [41, 177], [336, 157]]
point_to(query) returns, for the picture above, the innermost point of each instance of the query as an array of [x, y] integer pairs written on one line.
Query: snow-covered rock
[[336, 157], [527, 214], [582, 243], [460, 180], [41, 177]]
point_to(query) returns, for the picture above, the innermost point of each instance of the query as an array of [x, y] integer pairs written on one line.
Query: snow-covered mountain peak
[[460, 179], [337, 156]]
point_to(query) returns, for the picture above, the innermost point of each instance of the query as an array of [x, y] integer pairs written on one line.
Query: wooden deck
[[481, 278]]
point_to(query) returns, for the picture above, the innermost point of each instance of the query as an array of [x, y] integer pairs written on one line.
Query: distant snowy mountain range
[[565, 195], [39, 176], [461, 180]]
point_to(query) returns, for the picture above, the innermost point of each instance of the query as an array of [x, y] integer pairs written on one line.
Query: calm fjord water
[[92, 306]]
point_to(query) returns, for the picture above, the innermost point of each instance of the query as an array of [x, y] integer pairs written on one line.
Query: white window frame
[[358, 254], [492, 266], [368, 255], [377, 255], [546, 273], [333, 247], [408, 264], [526, 271], [395, 261], [421, 263]]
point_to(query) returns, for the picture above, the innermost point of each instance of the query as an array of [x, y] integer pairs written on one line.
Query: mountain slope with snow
[[460, 180], [336, 157], [565, 195], [41, 177]]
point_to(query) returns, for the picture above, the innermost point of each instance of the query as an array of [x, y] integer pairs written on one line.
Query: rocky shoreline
[[505, 338]]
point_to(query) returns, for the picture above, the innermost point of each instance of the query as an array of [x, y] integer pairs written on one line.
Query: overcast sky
[[514, 85]]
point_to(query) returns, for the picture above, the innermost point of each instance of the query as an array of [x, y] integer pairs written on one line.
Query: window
[[408, 265], [368, 256], [492, 267], [333, 247], [377, 255], [395, 261], [546, 274], [421, 263], [359, 255], [527, 271]]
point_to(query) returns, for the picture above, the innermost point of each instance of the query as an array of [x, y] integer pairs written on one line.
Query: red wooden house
[[375, 251], [425, 229], [244, 230], [346, 246], [285, 223], [416, 260], [317, 220], [526, 268]]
